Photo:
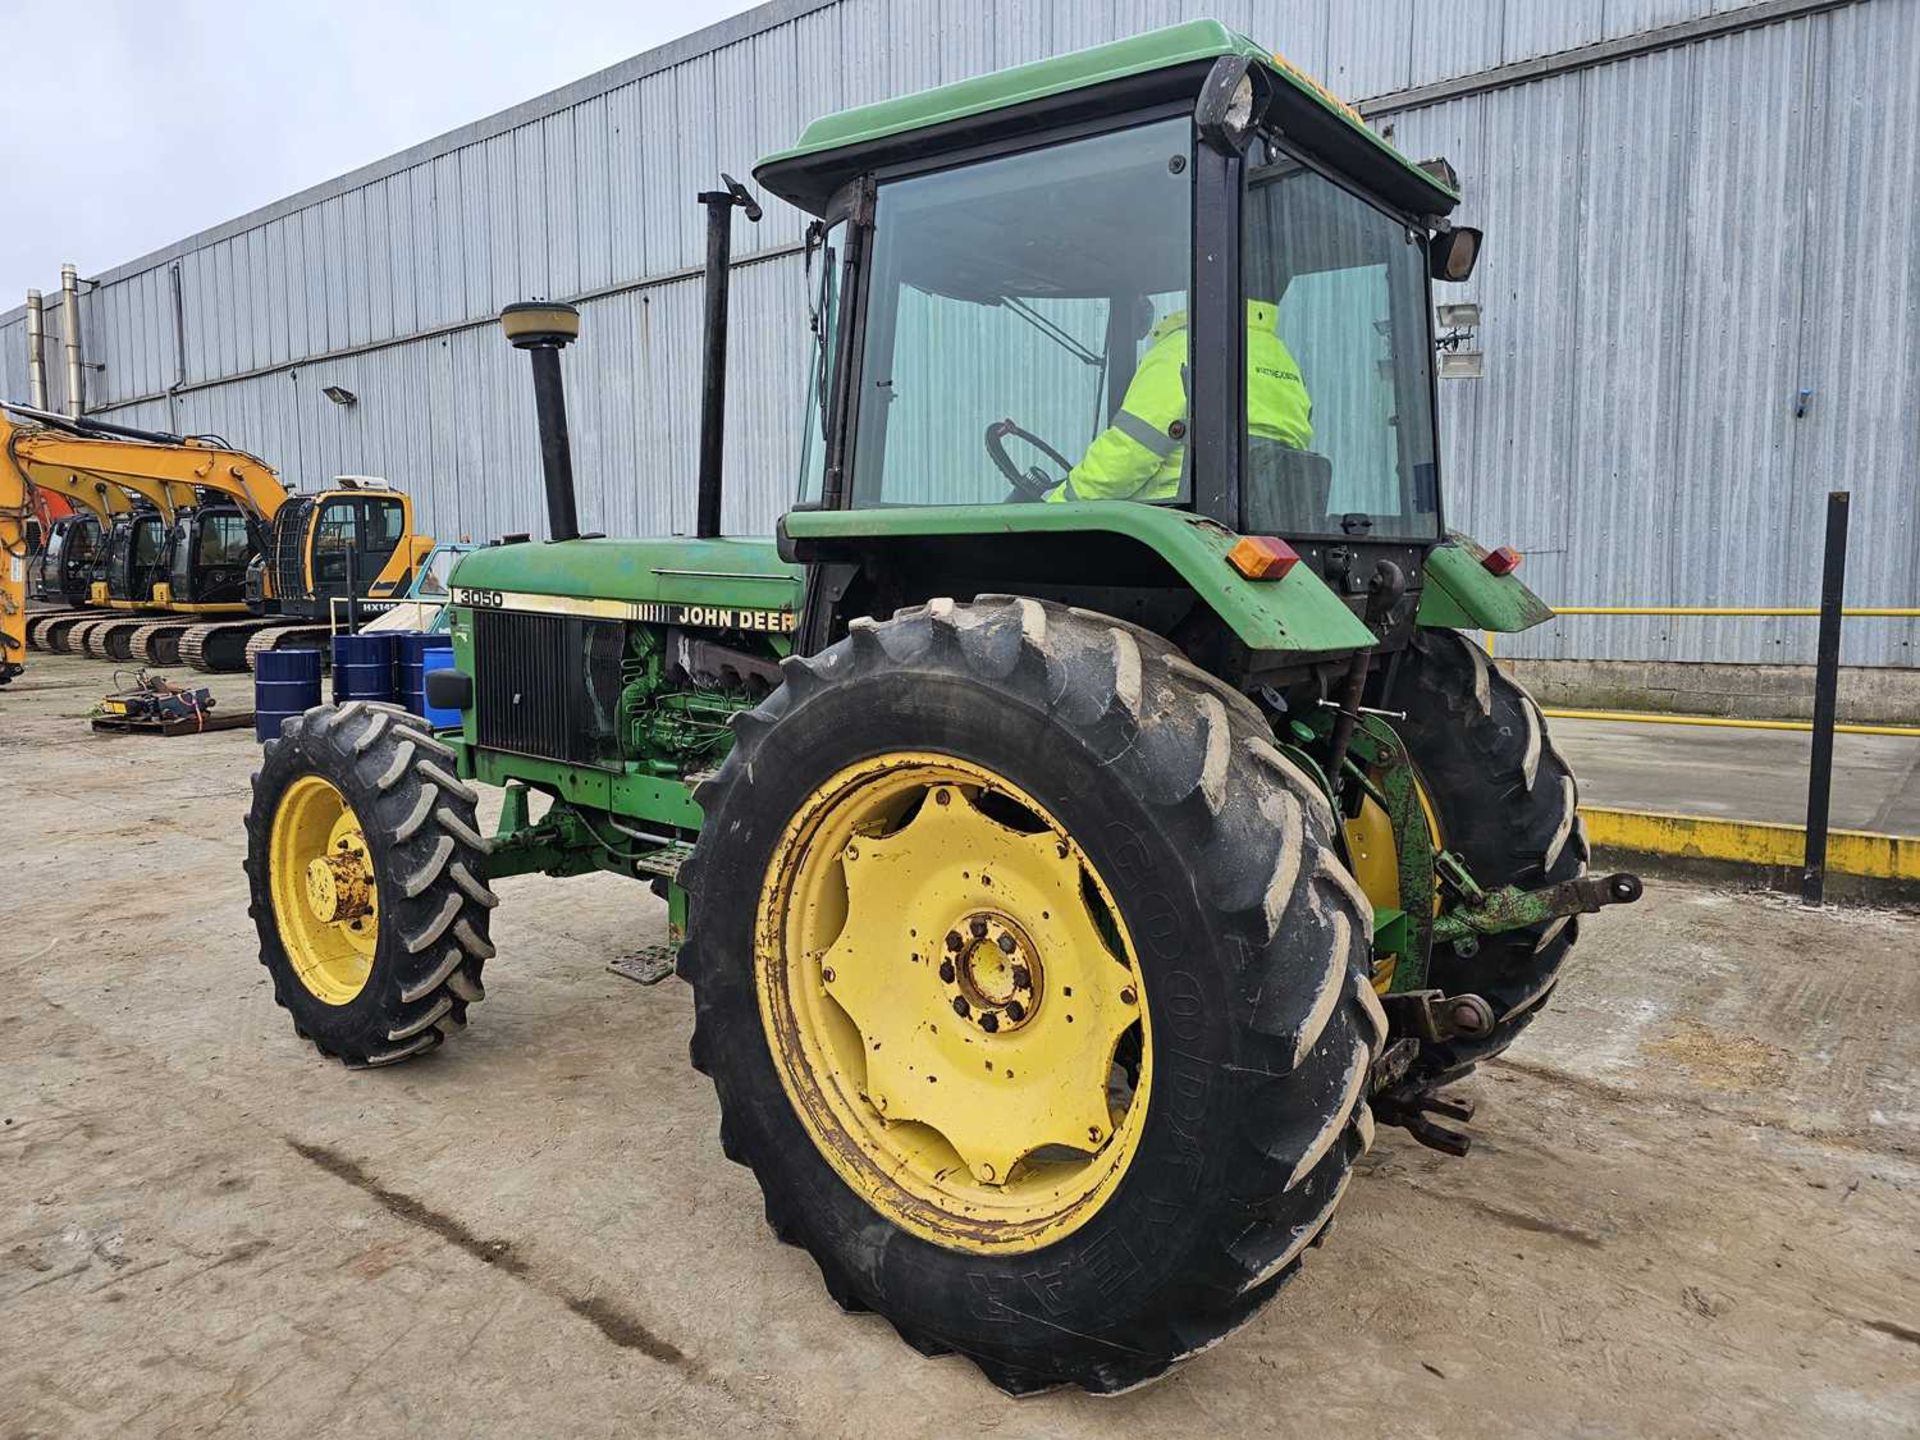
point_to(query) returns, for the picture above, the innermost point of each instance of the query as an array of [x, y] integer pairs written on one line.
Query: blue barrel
[[285, 682], [437, 658], [363, 667], [409, 666]]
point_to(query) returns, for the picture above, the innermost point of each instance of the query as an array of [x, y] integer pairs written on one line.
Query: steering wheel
[[1033, 483]]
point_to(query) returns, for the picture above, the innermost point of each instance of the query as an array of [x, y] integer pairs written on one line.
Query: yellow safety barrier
[[1850, 612], [1751, 842], [1730, 722]]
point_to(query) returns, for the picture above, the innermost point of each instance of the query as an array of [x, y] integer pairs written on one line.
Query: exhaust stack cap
[[540, 324]]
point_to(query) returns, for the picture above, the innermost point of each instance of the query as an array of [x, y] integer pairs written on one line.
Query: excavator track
[[221, 646], [56, 632], [113, 639], [39, 622], [76, 639], [288, 637], [158, 642]]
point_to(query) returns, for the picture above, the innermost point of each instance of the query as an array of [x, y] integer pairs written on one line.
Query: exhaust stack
[[543, 329], [713, 376], [36, 350], [70, 323]]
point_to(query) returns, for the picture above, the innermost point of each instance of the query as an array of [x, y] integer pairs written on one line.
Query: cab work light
[[1262, 557], [1503, 561]]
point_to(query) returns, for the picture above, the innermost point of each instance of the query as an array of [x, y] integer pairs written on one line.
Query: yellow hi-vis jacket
[[1136, 458]]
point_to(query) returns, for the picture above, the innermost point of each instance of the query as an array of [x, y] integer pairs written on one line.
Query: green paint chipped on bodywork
[[1295, 615], [1460, 594], [1195, 40]]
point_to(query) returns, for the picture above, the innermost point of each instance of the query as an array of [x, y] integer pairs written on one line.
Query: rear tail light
[[1503, 561], [1262, 557]]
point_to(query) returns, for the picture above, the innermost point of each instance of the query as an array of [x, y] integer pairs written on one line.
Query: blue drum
[[285, 683], [363, 667], [416, 651]]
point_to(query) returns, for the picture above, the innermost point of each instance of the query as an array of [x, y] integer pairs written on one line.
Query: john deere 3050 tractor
[[1067, 885]]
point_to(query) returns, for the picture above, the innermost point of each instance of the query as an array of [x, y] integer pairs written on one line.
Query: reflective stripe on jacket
[[1136, 458]]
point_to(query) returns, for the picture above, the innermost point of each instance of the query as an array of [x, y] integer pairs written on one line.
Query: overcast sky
[[164, 117]]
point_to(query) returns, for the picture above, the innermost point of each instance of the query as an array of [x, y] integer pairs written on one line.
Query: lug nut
[[1006, 944], [960, 1005], [989, 1021], [946, 972], [1016, 1012], [979, 929], [954, 941]]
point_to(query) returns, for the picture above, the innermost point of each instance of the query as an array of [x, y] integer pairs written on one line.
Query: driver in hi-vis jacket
[[1138, 456]]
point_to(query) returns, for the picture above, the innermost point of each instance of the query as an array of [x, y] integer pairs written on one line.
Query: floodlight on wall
[[339, 395], [1460, 357]]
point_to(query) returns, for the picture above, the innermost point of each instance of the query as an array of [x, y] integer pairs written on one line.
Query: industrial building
[[1699, 300]]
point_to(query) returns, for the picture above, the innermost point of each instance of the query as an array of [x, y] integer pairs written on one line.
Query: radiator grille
[[547, 686], [287, 563]]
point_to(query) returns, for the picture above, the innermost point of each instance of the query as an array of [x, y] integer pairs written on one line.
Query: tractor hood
[[709, 584], [1155, 68]]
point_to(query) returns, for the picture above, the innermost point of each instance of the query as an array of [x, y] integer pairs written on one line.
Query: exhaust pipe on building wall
[[713, 373], [70, 323], [36, 350], [543, 329]]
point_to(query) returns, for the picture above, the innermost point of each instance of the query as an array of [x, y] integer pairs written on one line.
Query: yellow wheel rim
[[953, 1003], [325, 901]]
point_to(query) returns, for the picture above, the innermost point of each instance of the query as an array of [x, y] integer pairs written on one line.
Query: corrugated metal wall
[[1679, 242]]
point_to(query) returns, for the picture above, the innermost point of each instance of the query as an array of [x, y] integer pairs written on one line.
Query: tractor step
[[647, 966], [665, 861]]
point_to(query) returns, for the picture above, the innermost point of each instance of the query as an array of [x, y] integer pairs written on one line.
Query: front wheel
[[1032, 990], [368, 881]]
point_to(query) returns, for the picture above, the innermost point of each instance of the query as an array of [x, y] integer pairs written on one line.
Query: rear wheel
[[1504, 800], [368, 882], [1031, 989]]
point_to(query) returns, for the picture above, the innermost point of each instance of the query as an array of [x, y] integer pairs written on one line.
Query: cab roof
[[1159, 66]]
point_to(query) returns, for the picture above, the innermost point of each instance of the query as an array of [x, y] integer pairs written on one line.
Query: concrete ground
[[1691, 1208], [1742, 774]]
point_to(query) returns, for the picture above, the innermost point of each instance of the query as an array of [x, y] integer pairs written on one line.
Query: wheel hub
[[991, 973], [326, 900], [339, 884]]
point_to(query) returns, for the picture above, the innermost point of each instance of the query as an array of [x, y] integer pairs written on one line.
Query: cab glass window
[[1028, 288], [1339, 386], [223, 540]]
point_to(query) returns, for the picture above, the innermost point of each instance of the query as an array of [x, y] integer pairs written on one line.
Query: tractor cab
[[1171, 272]]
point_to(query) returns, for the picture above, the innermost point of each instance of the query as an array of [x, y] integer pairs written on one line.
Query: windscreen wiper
[[1053, 332]]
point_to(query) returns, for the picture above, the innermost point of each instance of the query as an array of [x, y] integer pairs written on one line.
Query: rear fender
[[1462, 594], [1088, 546]]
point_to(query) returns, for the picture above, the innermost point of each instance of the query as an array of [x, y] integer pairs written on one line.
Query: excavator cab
[[208, 552], [132, 562], [61, 572], [357, 539]]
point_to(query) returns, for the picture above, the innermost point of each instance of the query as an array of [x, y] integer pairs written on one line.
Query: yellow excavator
[[74, 547], [218, 538]]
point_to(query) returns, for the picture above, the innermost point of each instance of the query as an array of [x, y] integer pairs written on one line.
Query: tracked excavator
[[221, 560]]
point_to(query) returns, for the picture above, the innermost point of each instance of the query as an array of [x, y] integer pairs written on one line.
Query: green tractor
[[1073, 858]]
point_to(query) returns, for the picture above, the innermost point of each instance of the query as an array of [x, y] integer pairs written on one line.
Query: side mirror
[[1452, 255]]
